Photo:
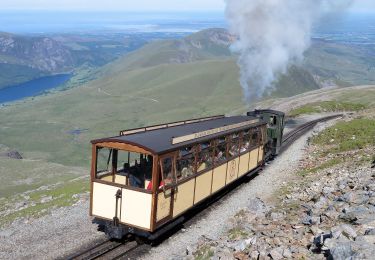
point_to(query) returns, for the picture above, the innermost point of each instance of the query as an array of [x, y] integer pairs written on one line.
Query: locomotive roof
[[260, 111], [161, 140]]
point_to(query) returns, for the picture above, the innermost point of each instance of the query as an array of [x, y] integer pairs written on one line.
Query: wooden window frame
[[194, 153], [174, 175], [110, 159]]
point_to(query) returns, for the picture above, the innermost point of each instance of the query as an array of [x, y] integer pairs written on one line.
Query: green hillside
[[203, 45], [12, 74]]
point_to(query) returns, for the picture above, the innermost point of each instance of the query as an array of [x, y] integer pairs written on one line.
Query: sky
[[140, 5]]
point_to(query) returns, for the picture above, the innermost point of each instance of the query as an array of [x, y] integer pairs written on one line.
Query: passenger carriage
[[147, 178]]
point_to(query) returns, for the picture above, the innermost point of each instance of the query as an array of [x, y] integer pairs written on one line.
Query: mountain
[[41, 53], [207, 45], [203, 45], [23, 58]]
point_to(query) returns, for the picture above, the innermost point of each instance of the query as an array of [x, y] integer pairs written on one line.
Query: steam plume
[[272, 35]]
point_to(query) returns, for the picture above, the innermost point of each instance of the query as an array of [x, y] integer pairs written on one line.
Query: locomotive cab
[[275, 129]]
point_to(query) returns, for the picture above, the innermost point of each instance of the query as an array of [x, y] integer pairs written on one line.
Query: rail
[[293, 135], [106, 250]]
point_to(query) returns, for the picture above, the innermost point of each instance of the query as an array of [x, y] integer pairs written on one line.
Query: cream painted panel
[[136, 208], [203, 186], [232, 170], [183, 197], [244, 164], [164, 206], [107, 178], [218, 177], [253, 159], [104, 200], [120, 179], [260, 157]]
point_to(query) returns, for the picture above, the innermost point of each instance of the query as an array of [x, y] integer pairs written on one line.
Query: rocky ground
[[327, 211], [49, 237]]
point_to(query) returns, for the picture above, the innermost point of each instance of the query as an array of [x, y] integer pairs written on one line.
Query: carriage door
[[166, 188]]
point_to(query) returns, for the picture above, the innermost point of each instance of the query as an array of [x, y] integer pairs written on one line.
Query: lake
[[32, 88]]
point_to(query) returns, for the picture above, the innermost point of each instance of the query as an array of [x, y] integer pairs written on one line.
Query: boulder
[[342, 251], [257, 207], [276, 253]]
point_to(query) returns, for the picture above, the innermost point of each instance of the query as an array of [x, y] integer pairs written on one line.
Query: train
[[146, 180]]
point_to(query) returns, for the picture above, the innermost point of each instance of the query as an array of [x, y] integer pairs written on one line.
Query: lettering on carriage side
[[190, 137], [232, 169]]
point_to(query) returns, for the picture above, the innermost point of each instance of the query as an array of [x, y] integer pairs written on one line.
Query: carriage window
[[245, 145], [136, 167], [234, 145], [255, 138], [167, 169], [103, 161], [220, 155], [204, 158], [185, 164]]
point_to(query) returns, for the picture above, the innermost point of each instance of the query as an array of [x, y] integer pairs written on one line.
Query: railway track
[[296, 133], [109, 249]]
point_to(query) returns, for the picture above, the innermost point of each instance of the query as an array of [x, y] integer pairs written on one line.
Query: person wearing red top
[[149, 186]]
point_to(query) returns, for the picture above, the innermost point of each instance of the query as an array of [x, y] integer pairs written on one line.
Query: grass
[[326, 106], [204, 253], [355, 135], [346, 136], [237, 233], [62, 195], [328, 164]]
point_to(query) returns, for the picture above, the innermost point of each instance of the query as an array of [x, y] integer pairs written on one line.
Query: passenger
[[126, 169], [184, 172], [244, 147], [134, 181], [149, 186], [219, 157]]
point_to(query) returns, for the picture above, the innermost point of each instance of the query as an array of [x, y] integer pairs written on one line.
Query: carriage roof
[[165, 139]]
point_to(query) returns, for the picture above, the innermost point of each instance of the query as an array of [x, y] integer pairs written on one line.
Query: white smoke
[[271, 36]]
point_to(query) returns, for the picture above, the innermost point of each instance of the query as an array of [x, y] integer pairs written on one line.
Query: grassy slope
[[43, 125], [13, 74]]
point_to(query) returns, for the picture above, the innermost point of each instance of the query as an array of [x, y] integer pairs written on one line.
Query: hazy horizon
[[50, 22]]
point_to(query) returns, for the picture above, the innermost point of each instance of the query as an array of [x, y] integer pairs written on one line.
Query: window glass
[[255, 137], [167, 171], [234, 145], [204, 158], [103, 162], [185, 164], [245, 145], [220, 155], [136, 167]]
